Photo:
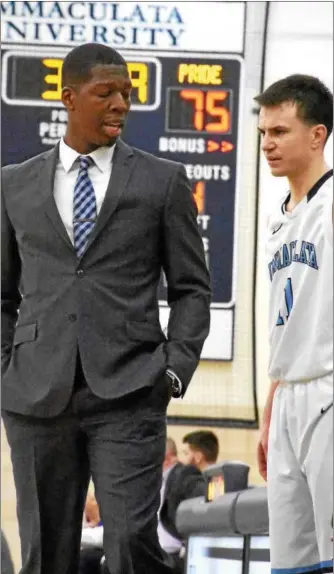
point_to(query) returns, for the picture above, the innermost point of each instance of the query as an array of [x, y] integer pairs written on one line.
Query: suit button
[[72, 318], [80, 273]]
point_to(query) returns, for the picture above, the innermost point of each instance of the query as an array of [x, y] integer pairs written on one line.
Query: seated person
[[200, 448]]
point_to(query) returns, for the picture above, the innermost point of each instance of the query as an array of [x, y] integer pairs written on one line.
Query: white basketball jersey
[[300, 267]]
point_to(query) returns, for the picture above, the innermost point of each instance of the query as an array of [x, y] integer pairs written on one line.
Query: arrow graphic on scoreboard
[[223, 146], [213, 146], [226, 146]]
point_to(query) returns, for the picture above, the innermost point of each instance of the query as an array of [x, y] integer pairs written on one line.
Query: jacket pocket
[[25, 333], [143, 331]]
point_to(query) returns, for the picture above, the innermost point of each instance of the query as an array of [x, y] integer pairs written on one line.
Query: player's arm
[[262, 448], [269, 404]]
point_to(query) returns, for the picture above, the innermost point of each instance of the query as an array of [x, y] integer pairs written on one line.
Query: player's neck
[[301, 183]]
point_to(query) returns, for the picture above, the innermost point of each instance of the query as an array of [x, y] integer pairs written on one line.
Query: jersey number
[[288, 302]]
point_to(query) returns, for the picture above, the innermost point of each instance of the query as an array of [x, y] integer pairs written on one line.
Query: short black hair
[[313, 99], [204, 441], [79, 62]]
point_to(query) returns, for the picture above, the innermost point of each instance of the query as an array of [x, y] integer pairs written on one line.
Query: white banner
[[214, 26], [219, 343]]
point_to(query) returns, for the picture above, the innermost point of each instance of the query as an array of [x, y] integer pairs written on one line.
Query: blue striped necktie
[[84, 206]]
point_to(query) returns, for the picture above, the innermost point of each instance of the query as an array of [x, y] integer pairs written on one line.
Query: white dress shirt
[[67, 171]]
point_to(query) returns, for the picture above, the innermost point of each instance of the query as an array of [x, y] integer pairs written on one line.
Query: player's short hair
[[79, 62], [313, 99], [204, 441], [171, 446]]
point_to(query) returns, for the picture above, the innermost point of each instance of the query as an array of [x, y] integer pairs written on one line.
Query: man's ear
[[68, 96], [319, 134]]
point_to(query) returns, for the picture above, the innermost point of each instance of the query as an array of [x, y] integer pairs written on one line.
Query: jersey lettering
[[288, 254], [288, 292]]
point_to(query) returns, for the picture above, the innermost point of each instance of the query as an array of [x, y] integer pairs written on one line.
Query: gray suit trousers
[[121, 444]]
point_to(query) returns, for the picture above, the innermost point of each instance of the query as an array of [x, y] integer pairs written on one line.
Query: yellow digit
[[198, 97], [223, 125], [54, 78], [139, 77]]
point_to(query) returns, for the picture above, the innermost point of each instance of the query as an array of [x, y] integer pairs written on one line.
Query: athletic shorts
[[300, 478]]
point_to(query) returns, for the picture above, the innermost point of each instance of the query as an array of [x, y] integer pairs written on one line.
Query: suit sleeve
[[188, 281], [10, 278]]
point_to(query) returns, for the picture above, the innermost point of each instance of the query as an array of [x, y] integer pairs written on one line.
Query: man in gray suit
[[87, 229]]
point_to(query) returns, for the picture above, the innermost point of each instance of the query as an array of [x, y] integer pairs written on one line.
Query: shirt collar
[[102, 156]]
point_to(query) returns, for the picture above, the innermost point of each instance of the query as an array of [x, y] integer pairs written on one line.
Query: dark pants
[[90, 560], [177, 566], [121, 444], [6, 559]]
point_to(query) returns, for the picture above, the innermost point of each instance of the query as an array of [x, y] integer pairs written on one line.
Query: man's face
[[286, 139], [98, 108], [189, 456]]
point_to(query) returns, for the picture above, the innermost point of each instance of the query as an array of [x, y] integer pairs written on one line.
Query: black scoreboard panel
[[185, 107], [197, 111], [34, 79]]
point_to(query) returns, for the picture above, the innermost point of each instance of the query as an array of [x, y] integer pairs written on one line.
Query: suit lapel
[[123, 164], [46, 185]]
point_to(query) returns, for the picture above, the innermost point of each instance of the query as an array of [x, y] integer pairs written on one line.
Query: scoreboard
[[185, 107], [34, 79]]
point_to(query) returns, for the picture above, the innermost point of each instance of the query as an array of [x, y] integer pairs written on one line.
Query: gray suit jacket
[[104, 303]]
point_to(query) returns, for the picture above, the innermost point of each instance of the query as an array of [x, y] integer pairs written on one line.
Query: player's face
[[286, 140], [98, 108]]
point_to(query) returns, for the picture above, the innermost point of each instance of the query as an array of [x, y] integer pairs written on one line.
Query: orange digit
[[224, 125], [198, 97], [199, 196]]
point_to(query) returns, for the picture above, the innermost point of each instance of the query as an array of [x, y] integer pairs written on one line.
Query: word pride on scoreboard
[[185, 107]]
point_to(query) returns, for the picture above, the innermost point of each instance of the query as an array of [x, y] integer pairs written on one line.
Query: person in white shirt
[[295, 122]]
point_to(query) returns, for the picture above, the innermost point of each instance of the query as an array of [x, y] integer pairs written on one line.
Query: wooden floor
[[235, 444]]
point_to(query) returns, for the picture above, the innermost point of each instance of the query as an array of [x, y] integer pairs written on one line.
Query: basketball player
[[296, 119]]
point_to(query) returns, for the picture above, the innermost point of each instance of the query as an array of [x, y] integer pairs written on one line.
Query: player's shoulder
[[325, 192], [320, 199], [323, 206]]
